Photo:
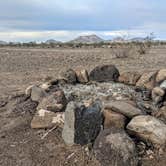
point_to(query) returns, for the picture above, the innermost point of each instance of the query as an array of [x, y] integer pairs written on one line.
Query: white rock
[[148, 128]]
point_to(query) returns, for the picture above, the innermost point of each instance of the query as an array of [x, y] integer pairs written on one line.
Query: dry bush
[[142, 49], [121, 52]]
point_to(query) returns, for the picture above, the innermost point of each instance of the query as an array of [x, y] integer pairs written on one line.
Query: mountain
[[52, 41], [138, 39], [87, 39], [3, 42]]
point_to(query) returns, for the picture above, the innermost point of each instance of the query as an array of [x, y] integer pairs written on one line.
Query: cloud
[[107, 18]]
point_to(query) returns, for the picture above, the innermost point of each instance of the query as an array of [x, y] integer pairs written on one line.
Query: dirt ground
[[19, 68], [22, 67]]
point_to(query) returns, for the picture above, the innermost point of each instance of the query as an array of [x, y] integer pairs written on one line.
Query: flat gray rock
[[124, 108]]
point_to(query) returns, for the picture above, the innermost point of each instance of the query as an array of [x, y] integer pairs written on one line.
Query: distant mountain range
[[88, 39], [3, 42]]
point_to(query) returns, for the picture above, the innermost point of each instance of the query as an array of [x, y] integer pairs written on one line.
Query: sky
[[39, 20]]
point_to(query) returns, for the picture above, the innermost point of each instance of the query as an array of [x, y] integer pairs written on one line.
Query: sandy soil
[[19, 68]]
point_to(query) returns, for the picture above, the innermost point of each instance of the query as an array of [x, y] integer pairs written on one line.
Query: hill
[[87, 39]]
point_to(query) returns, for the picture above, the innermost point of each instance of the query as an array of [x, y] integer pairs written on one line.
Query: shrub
[[121, 52]]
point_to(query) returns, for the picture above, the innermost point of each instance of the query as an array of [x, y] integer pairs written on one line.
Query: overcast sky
[[39, 20]]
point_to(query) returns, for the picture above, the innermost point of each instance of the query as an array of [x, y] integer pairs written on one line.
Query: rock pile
[[115, 118]]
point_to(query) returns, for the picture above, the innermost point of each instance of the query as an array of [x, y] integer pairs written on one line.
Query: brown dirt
[[19, 68]]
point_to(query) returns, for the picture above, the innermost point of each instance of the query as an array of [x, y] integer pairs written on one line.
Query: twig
[[48, 132]]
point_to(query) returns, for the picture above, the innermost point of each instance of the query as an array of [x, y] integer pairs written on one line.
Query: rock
[[143, 93], [20, 103], [129, 78], [29, 90], [82, 75], [82, 124], [147, 80], [161, 114], [46, 86], [163, 85], [161, 75], [104, 73], [37, 93], [27, 106], [44, 119], [70, 76], [146, 106], [113, 147], [157, 95], [124, 108], [3, 102], [52, 84], [158, 91], [54, 102], [113, 119], [148, 128]]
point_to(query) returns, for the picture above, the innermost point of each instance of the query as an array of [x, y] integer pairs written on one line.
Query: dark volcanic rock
[[54, 102], [113, 147], [82, 124], [104, 73], [69, 76]]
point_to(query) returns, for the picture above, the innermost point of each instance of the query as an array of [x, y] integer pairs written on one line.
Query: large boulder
[[113, 119], [113, 147], [148, 128], [147, 80], [124, 108], [44, 119], [82, 124], [129, 78], [54, 102], [104, 73], [161, 75], [70, 76], [82, 75]]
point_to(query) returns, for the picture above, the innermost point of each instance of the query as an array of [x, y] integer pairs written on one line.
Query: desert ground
[[22, 67], [19, 68]]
